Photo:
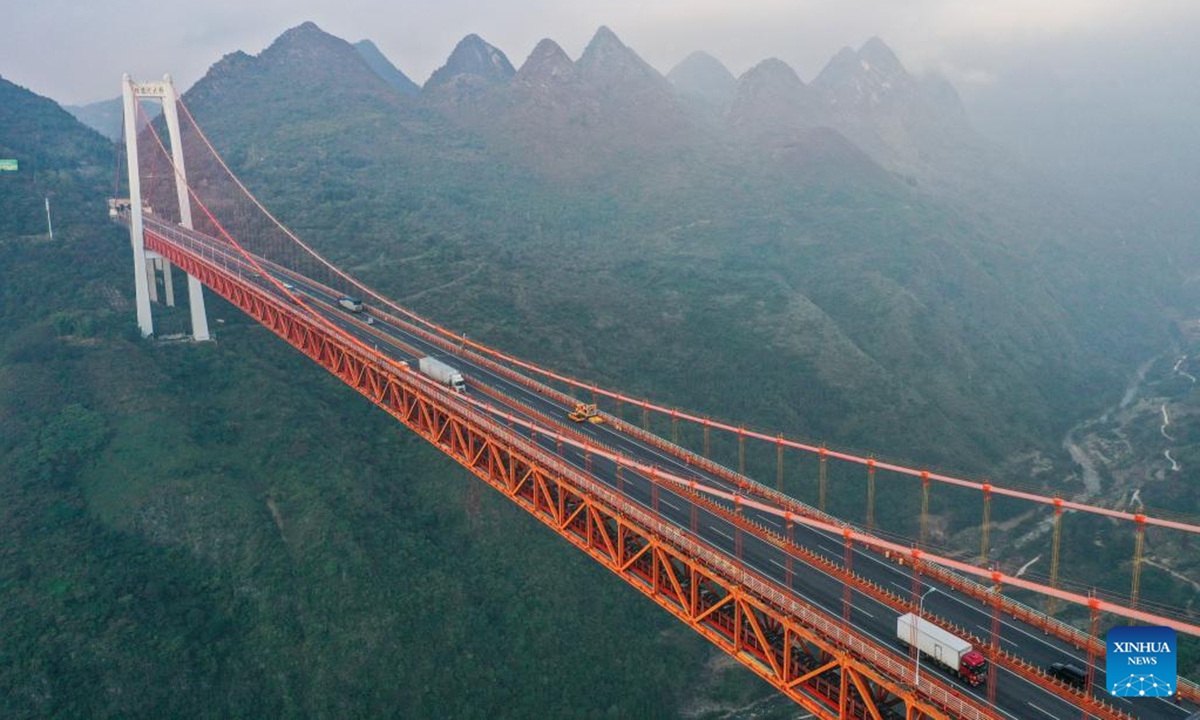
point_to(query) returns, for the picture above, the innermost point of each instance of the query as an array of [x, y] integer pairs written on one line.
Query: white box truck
[[443, 373], [942, 647]]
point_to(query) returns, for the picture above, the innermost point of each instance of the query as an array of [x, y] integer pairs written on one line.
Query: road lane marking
[[1047, 714], [634, 448], [889, 642], [573, 462], [988, 633]]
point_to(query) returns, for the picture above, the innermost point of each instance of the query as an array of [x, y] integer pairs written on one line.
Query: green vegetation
[[224, 530], [799, 288], [59, 159]]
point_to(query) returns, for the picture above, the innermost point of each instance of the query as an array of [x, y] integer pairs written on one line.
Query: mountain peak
[[877, 52], [605, 37], [704, 61], [473, 56], [876, 55], [773, 70], [308, 46], [308, 26], [702, 76], [608, 61], [303, 34], [384, 68], [545, 64], [770, 96], [605, 48], [304, 59], [867, 78]]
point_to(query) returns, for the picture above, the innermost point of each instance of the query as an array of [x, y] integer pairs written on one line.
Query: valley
[[219, 529]]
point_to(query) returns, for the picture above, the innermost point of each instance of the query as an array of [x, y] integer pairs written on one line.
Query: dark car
[[1069, 674]]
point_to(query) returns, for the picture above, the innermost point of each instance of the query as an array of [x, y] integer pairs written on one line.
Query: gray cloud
[[76, 51]]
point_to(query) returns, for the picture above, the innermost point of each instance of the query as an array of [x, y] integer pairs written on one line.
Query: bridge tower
[[146, 263]]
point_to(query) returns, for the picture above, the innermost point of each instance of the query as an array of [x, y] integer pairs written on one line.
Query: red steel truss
[[825, 666], [960, 583]]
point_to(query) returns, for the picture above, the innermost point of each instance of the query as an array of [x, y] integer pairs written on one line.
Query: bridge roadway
[[1016, 697]]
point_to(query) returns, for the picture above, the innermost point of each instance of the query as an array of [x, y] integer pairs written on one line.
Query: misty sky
[[74, 51]]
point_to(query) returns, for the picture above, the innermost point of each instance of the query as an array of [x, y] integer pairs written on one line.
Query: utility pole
[[915, 630]]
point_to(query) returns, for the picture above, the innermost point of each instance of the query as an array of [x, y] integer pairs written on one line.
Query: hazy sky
[[75, 50]]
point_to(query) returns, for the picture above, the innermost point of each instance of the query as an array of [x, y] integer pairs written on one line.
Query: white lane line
[[953, 596], [670, 505], [631, 447], [1047, 714], [675, 462], [987, 632], [856, 607], [889, 642], [714, 529]]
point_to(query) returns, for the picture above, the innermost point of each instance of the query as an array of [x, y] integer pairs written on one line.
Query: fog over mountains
[[866, 94], [841, 230], [855, 256], [853, 226]]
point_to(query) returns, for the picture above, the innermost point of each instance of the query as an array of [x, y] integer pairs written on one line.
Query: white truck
[[443, 373], [944, 648], [352, 304]]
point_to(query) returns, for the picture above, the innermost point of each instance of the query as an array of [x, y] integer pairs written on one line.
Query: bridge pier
[[144, 264], [152, 276], [168, 284]]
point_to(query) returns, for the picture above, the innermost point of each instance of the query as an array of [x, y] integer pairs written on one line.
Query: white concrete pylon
[[145, 280], [141, 276], [195, 289]]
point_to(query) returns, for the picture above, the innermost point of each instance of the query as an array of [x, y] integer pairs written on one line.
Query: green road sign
[[9, 165]]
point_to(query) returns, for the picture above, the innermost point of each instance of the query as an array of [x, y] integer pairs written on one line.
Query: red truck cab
[[973, 668]]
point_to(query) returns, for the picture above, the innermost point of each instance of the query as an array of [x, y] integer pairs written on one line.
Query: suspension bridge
[[805, 600]]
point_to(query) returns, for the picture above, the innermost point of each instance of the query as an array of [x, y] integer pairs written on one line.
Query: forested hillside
[[58, 158], [223, 530], [787, 280]]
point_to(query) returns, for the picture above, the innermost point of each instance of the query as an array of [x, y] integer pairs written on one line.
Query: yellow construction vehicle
[[586, 412]]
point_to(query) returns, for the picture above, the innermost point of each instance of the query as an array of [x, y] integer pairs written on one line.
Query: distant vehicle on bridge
[[586, 412], [944, 648], [1069, 674], [352, 304], [442, 373]]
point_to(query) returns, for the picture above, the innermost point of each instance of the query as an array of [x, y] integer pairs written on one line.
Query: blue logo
[[1141, 661]]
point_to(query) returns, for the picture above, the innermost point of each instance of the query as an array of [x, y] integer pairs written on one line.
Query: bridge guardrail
[[763, 588]]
